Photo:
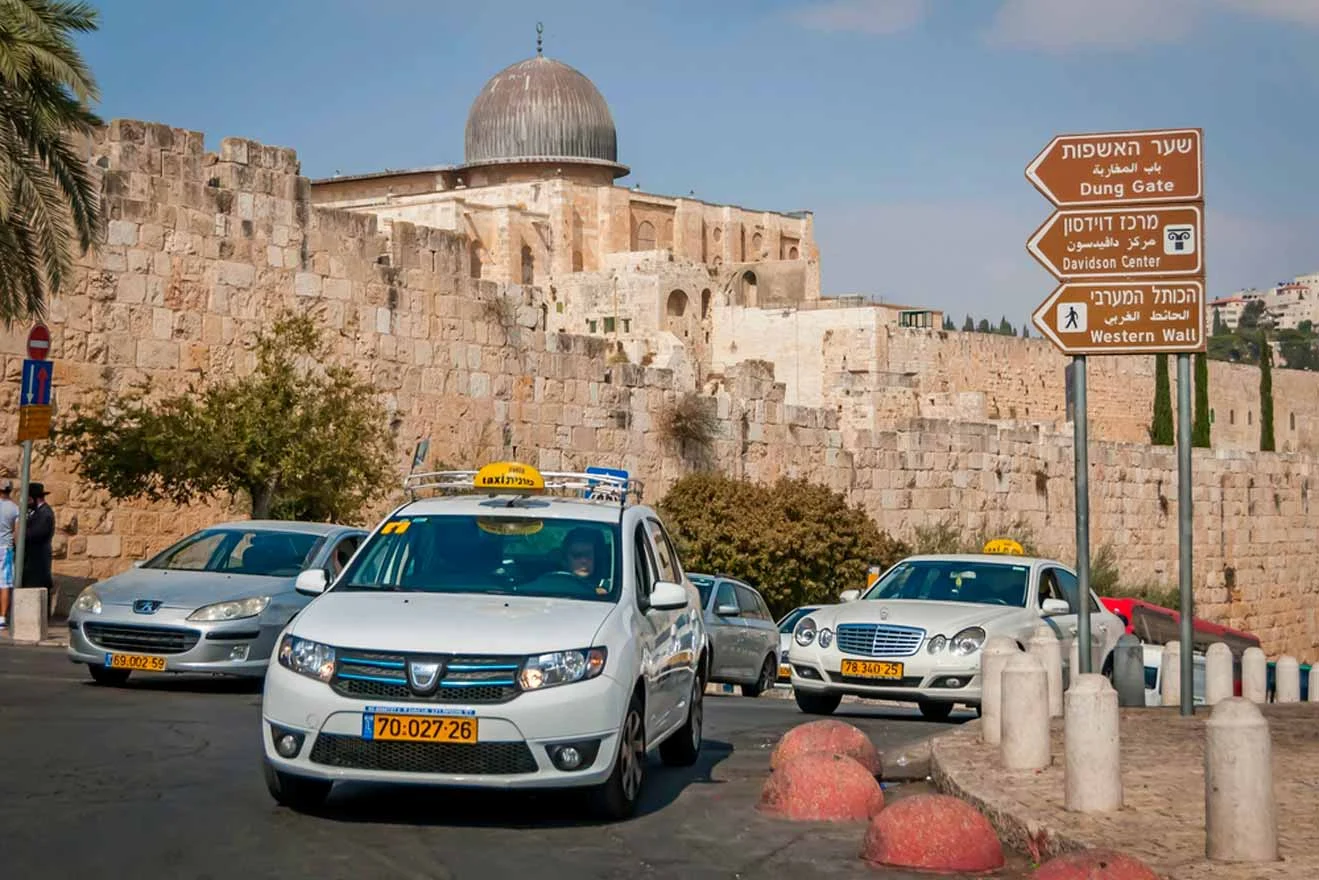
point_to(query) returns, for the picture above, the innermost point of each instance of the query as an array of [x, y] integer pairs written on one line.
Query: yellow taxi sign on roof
[[509, 475], [1005, 546]]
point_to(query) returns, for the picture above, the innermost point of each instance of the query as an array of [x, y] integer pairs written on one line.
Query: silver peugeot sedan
[[212, 603], [744, 641]]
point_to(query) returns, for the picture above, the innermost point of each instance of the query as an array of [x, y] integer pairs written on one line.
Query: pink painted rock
[[822, 787], [830, 737], [932, 832], [1095, 864]]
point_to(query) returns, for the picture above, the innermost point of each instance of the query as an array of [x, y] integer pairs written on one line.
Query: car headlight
[[804, 633], [937, 644], [234, 610], [88, 601], [826, 637], [561, 667], [968, 641], [306, 657]]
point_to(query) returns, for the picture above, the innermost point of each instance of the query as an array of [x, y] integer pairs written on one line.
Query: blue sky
[[905, 125]]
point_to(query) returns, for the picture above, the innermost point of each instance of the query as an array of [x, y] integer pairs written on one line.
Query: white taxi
[[518, 629], [915, 635]]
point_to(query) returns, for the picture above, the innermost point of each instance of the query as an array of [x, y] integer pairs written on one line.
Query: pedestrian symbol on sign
[[1071, 317]]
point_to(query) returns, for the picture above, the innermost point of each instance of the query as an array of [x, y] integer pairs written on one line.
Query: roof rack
[[591, 485]]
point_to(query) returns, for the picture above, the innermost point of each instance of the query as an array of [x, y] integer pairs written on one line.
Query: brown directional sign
[[1152, 242], [1121, 167], [1141, 317], [33, 423]]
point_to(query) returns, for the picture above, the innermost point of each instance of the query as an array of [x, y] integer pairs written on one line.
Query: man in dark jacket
[[37, 541]]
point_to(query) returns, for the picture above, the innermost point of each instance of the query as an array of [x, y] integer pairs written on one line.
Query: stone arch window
[[746, 290], [1293, 421], [477, 258], [1231, 417], [717, 234], [757, 241], [577, 261], [677, 304], [528, 265], [645, 236], [668, 232], [1250, 417], [792, 253], [705, 304]]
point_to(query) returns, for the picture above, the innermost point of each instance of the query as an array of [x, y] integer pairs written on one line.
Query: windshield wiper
[[383, 588]]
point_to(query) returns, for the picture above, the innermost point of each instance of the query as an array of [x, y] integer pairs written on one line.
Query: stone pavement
[[1163, 817]]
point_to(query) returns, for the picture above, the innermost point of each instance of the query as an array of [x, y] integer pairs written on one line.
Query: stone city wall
[[201, 250]]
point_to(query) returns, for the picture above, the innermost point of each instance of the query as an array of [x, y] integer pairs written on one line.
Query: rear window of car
[[705, 584]]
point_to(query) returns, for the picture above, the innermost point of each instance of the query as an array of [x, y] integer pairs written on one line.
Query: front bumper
[[233, 647], [514, 738], [940, 678]]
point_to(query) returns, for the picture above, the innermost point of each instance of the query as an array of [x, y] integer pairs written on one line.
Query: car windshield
[[267, 553], [495, 555], [705, 584], [787, 623], [953, 580]]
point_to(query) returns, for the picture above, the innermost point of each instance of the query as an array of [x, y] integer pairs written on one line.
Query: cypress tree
[[1266, 441], [1161, 432], [1200, 428]]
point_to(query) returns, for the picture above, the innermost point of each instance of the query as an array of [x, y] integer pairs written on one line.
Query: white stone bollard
[[1092, 778], [1314, 683], [1170, 674], [1218, 673], [1287, 680], [1240, 810], [993, 655], [1045, 645], [1026, 742], [1255, 675], [29, 613]]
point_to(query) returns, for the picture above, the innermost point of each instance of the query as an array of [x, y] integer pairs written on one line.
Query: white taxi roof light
[[1004, 546], [512, 477]]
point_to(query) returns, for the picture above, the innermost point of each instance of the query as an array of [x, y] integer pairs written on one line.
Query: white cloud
[[881, 17], [1066, 25]]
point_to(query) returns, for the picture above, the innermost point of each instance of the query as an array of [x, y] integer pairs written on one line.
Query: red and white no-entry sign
[[38, 342]]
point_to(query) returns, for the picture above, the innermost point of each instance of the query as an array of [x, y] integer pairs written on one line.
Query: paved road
[[162, 779]]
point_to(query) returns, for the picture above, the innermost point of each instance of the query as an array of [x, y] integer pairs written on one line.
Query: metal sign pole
[[1082, 457], [1184, 533], [20, 532]]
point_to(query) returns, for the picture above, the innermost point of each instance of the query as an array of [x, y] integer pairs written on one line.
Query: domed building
[[539, 201]]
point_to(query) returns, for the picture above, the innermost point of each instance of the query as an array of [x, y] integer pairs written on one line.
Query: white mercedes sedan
[[915, 636]]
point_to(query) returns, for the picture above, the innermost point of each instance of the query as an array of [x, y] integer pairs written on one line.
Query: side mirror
[[1051, 607], [849, 595], [728, 611], [668, 596], [312, 582], [139, 563]]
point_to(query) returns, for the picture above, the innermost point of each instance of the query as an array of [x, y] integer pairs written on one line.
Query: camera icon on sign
[[1179, 240]]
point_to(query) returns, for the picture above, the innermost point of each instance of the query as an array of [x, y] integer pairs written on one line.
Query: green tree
[[1025, 330], [1252, 315], [1266, 441], [969, 325], [1161, 432], [948, 323], [1219, 327], [1200, 427], [47, 197], [300, 437], [983, 326], [796, 541], [1006, 328]]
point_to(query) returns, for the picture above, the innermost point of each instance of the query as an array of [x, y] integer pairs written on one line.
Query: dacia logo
[[424, 675], [146, 606]]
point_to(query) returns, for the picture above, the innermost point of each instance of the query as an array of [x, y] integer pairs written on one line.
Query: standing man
[[8, 526], [37, 544]]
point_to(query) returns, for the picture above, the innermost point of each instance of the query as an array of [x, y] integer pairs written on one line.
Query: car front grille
[[879, 639], [146, 639], [466, 679], [477, 759]]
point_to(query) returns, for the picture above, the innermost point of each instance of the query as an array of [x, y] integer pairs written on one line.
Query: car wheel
[[296, 792], [766, 681], [935, 711], [107, 676], [618, 798], [684, 747], [817, 704]]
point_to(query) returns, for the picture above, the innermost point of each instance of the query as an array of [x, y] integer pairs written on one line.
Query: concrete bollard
[[1092, 777], [1129, 671], [1045, 645], [1240, 810], [29, 612], [1170, 674], [1218, 673], [1287, 680], [1314, 683], [1255, 675], [1074, 657], [1025, 714], [993, 655]]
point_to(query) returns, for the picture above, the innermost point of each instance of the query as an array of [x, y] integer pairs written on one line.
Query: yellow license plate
[[872, 669], [135, 661], [419, 728]]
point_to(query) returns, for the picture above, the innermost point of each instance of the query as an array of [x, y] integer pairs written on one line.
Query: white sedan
[[915, 636]]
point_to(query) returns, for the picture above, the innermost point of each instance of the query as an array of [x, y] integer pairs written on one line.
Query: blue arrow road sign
[[37, 382]]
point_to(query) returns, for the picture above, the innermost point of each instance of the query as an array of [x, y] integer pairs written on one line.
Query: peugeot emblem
[[424, 675], [146, 606]]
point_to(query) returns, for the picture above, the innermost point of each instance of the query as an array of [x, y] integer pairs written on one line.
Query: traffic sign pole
[[1081, 456], [1185, 536], [20, 534]]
